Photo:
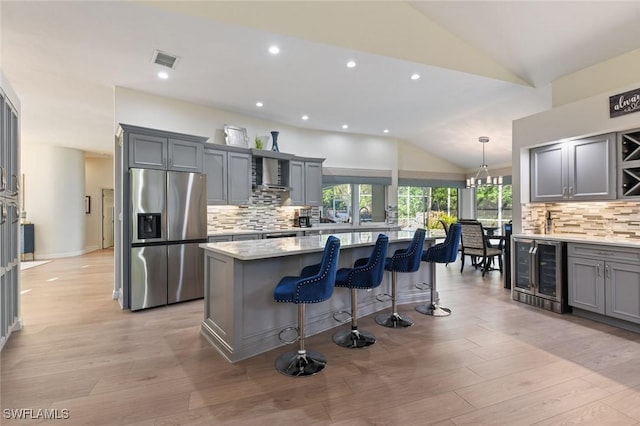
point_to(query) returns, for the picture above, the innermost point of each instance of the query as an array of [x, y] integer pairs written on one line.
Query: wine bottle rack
[[630, 148], [631, 182], [629, 164]]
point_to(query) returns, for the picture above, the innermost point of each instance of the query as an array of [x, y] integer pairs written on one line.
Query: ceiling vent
[[164, 59]]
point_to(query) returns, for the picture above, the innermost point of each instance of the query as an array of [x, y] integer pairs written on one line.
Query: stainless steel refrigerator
[[169, 220]]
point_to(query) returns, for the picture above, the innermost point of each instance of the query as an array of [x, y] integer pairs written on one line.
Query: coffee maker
[[304, 218]]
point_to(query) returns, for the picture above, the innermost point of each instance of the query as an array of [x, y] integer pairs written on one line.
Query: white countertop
[[584, 239], [268, 248], [323, 226]]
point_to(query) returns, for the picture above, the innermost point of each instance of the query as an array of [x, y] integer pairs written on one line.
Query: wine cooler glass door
[[548, 269], [522, 265]]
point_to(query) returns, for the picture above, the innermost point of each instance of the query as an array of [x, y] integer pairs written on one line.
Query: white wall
[[54, 199], [98, 176], [344, 150]]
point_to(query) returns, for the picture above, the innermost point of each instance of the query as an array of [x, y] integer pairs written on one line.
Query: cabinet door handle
[[571, 192], [598, 272], [607, 271], [564, 192], [14, 179], [3, 213], [3, 179]]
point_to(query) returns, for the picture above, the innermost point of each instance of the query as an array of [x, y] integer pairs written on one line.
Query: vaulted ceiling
[[481, 64]]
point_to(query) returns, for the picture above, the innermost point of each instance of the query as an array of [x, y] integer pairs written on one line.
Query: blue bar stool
[[366, 273], [314, 285], [403, 260], [445, 252]]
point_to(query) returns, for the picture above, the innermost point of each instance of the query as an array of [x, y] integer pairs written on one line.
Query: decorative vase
[[274, 138]]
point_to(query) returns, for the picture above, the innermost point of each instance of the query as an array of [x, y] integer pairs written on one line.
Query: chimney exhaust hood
[[267, 176]]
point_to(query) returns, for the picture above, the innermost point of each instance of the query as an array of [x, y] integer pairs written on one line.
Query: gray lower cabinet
[[153, 150], [228, 177], [586, 284], [605, 280], [219, 238], [579, 170], [246, 237], [622, 291]]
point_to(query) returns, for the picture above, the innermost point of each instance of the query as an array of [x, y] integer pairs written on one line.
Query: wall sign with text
[[624, 103]]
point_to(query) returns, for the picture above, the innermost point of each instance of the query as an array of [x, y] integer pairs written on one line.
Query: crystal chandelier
[[483, 178]]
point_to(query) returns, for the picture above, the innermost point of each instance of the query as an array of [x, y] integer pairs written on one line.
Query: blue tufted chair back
[[367, 272], [447, 251], [408, 260], [313, 288]]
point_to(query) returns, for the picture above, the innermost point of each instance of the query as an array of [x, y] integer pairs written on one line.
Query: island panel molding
[[242, 319]]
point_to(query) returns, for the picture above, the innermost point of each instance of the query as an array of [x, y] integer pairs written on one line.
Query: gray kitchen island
[[241, 319]]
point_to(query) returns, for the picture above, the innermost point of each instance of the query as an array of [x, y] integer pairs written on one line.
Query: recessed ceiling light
[[386, 130], [163, 75], [351, 64], [259, 104], [305, 117], [415, 76], [274, 50], [345, 126]]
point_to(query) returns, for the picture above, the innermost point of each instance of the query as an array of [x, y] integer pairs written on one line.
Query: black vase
[[274, 138]]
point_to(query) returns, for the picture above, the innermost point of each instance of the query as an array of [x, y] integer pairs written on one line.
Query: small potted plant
[[259, 143]]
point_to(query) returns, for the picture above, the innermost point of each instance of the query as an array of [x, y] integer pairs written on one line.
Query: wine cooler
[[539, 273]]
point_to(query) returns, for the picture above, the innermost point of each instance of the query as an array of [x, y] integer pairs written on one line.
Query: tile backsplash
[[264, 213], [597, 219]]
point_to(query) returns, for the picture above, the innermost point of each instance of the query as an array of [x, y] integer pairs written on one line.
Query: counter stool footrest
[[342, 316], [300, 363], [434, 310], [393, 320], [354, 338]]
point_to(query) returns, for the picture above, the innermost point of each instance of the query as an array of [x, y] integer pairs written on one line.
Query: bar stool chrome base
[[354, 338], [393, 320], [434, 310], [297, 364]]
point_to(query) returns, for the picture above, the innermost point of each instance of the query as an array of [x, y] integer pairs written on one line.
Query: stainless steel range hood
[[267, 176]]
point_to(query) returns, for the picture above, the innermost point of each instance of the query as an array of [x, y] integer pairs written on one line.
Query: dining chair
[[474, 244]]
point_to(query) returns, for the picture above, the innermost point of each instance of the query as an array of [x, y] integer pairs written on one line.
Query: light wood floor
[[493, 361]]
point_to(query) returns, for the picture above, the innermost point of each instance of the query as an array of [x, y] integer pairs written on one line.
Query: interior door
[[107, 218]]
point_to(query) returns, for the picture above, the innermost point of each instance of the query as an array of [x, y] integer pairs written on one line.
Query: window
[[337, 201], [424, 207], [494, 205], [336, 204]]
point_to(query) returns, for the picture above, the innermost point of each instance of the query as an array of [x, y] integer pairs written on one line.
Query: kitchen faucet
[[366, 210]]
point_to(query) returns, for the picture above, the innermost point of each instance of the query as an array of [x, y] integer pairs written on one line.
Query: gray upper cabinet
[[313, 183], [215, 167], [228, 177], [155, 150], [239, 178], [147, 151], [296, 183], [185, 156], [579, 170], [304, 177]]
